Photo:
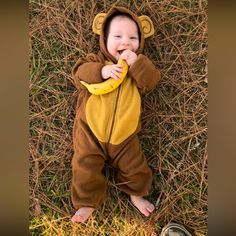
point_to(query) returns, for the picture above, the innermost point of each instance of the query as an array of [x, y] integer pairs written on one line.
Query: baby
[[106, 126]]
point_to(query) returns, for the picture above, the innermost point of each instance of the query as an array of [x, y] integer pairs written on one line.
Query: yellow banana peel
[[108, 85]]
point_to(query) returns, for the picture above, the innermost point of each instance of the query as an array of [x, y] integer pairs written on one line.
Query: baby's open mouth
[[121, 51]]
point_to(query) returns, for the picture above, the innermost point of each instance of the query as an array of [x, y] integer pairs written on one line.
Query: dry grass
[[174, 134]]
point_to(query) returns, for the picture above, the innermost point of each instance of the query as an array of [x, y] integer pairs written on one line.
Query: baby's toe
[[78, 218], [145, 212], [151, 208]]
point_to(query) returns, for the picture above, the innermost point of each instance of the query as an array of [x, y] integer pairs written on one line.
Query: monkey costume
[[106, 126]]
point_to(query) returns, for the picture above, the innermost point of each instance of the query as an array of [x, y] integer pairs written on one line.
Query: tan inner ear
[[97, 23], [147, 25]]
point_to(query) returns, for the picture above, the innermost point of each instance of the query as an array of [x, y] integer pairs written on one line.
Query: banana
[[108, 85]]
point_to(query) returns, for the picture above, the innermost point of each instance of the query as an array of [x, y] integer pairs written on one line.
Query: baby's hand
[[113, 71], [129, 56]]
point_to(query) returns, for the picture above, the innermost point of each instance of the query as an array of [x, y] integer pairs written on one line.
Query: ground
[[174, 119]]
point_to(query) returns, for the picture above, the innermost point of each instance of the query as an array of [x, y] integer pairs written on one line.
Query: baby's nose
[[126, 41]]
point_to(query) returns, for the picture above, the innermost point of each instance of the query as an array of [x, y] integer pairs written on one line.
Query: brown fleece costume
[[106, 126]]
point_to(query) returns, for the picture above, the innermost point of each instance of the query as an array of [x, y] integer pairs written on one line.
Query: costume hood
[[143, 22]]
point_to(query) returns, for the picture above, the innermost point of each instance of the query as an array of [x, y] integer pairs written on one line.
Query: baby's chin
[[117, 56]]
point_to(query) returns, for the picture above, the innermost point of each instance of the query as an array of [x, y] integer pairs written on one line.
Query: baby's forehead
[[125, 21], [122, 18]]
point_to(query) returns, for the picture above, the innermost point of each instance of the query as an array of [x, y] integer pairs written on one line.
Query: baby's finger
[[118, 69], [126, 51], [124, 57], [117, 66], [115, 75]]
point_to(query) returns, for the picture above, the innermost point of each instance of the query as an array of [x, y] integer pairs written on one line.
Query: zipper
[[114, 113]]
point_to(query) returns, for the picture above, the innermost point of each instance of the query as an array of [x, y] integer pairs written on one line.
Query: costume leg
[[88, 183], [133, 174]]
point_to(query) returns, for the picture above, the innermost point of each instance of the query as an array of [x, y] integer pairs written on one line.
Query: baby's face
[[123, 34]]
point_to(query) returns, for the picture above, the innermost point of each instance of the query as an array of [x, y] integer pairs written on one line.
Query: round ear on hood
[[147, 25], [97, 23], [146, 22]]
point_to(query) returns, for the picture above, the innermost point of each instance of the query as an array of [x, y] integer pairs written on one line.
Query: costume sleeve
[[144, 73], [88, 70]]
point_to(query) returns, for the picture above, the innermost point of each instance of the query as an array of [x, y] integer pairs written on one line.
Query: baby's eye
[[117, 36], [133, 38]]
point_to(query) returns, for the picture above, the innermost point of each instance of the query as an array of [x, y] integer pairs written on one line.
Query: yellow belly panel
[[110, 127]]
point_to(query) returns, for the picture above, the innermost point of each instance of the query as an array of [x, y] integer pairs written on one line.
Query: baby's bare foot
[[144, 206], [82, 214]]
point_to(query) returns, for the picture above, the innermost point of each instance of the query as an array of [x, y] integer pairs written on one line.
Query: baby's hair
[[122, 15]]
